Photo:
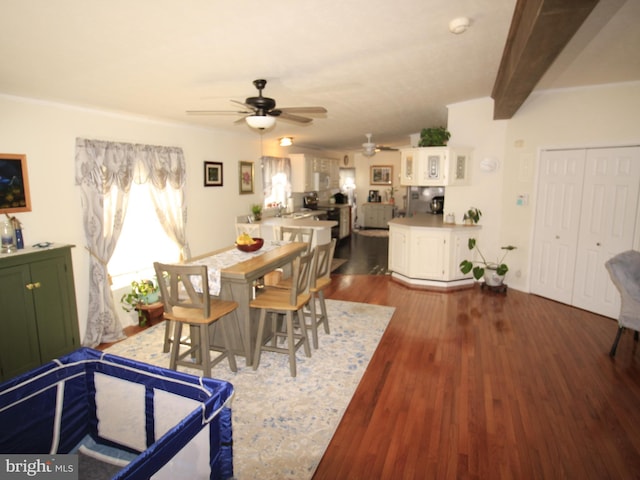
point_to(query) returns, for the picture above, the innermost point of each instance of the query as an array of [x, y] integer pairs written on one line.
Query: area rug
[[282, 425], [380, 233]]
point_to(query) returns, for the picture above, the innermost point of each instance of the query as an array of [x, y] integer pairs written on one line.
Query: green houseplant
[[256, 210], [142, 292], [493, 273], [434, 137], [472, 216]]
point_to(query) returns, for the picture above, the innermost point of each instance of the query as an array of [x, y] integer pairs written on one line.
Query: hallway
[[365, 255]]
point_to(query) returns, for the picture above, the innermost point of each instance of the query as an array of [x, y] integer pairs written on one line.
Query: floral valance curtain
[[271, 166], [105, 171]]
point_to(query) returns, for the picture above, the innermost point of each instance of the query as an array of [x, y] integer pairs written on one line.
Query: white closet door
[[557, 222], [607, 224]]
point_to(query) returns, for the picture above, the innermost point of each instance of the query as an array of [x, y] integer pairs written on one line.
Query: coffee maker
[[374, 196]]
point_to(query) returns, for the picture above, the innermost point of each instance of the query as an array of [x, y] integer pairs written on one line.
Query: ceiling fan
[[369, 148], [260, 112]]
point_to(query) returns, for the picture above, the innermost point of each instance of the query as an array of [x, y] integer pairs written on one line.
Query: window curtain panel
[[272, 166], [105, 172]]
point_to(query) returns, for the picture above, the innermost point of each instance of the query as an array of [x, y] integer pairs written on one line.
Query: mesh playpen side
[[151, 421]]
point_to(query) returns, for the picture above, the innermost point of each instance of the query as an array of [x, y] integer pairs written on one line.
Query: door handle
[[31, 286]]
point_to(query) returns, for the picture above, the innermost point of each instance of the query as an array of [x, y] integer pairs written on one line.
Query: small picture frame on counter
[[213, 174]]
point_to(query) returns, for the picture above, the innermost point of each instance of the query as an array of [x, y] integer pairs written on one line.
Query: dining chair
[[322, 280], [624, 270], [253, 229], [297, 234], [275, 303], [184, 291]]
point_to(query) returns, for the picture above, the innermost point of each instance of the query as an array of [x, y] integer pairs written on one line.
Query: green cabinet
[[38, 314]]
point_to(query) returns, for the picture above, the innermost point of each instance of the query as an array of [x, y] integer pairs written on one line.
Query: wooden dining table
[[237, 283]]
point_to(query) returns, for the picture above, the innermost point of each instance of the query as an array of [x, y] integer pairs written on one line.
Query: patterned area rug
[[282, 425], [378, 232]]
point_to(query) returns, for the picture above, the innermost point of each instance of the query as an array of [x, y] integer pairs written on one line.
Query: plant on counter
[[256, 209], [143, 292], [495, 272], [434, 137], [472, 216]]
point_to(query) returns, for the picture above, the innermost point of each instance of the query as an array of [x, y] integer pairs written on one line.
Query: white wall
[[595, 116], [46, 133]]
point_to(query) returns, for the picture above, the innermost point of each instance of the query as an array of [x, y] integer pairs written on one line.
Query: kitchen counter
[[426, 220], [270, 227], [425, 252]]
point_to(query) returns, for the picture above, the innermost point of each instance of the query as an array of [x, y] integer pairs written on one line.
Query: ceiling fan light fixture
[[368, 148], [260, 122], [286, 141]]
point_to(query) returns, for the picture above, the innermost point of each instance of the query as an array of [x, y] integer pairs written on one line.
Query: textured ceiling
[[389, 68]]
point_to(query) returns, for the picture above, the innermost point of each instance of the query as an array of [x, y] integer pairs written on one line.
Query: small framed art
[[381, 175], [212, 174], [246, 177], [14, 183]]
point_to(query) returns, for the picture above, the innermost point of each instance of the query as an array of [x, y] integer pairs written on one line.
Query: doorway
[[586, 213]]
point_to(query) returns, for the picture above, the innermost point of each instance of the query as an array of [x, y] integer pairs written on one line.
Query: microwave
[[321, 181]]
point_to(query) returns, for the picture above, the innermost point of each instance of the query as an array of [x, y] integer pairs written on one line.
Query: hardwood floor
[[479, 385]]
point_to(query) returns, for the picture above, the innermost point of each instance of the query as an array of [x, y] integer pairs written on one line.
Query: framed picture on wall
[[212, 174], [246, 177], [381, 175], [14, 183]]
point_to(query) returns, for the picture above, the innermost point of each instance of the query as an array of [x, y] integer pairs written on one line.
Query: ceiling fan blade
[[384, 148], [245, 105], [288, 116], [304, 109], [216, 112]]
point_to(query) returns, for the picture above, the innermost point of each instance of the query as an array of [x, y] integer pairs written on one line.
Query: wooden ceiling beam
[[539, 31]]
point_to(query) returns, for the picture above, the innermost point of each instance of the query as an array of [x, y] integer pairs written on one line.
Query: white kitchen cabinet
[[376, 215], [428, 253], [399, 249], [435, 166], [304, 168]]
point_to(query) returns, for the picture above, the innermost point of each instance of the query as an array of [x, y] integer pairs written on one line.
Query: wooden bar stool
[[276, 302], [321, 281], [185, 295]]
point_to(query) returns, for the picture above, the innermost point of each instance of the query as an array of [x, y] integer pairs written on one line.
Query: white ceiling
[[389, 68]]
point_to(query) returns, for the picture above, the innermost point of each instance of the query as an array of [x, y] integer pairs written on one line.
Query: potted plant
[[143, 292], [472, 216], [493, 273], [434, 137], [256, 209]]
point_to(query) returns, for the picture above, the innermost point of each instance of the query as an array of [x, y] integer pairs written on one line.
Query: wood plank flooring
[[478, 385]]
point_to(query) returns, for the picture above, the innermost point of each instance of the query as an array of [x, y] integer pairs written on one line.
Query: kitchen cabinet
[[376, 215], [435, 166], [39, 316], [425, 252], [304, 169]]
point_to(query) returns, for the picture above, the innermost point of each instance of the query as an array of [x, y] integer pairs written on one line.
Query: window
[[142, 241], [279, 188]]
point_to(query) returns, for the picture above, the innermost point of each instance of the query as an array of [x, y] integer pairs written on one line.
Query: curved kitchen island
[[425, 252]]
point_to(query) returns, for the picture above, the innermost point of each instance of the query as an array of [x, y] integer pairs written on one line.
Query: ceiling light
[[286, 141], [260, 121], [459, 25], [368, 148]]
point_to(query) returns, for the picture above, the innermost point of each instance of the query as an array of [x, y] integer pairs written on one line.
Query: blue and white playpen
[[152, 422]]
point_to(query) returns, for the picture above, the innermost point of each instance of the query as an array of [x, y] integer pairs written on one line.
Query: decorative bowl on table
[[256, 245]]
